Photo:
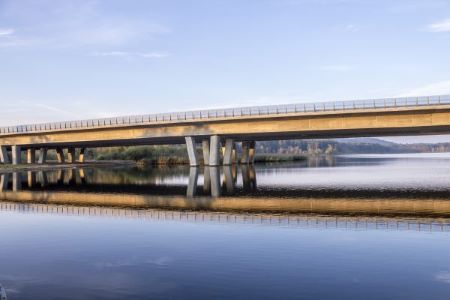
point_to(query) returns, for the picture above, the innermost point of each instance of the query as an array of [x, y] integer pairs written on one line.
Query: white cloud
[[130, 55], [437, 88], [443, 26], [337, 68], [443, 277], [351, 28], [62, 24], [6, 32]]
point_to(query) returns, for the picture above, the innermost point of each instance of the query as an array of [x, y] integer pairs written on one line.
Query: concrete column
[[42, 175], [206, 180], [248, 177], [71, 155], [42, 156], [60, 155], [81, 157], [31, 156], [251, 152], [4, 157], [192, 152], [214, 151], [4, 180], [228, 179], [61, 175], [245, 156], [228, 153], [82, 176], [16, 155], [215, 182], [192, 185], [205, 149], [72, 177], [31, 179], [17, 182]]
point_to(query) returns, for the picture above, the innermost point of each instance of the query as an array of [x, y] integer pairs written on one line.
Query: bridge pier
[[4, 157], [31, 156], [214, 151], [71, 155], [192, 151], [16, 153], [81, 156], [205, 149], [60, 155], [42, 156], [248, 152], [228, 153]]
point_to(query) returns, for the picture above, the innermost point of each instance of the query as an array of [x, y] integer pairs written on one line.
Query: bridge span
[[219, 130]]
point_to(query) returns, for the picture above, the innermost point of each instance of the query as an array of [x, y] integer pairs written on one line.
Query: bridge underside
[[218, 137]]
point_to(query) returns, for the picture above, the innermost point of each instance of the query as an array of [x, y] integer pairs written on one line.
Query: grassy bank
[[268, 158], [54, 165]]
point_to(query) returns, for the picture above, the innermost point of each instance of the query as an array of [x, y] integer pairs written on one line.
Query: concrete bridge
[[218, 131]]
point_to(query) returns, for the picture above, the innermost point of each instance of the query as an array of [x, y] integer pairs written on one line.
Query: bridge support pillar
[[16, 153], [248, 152], [42, 156], [4, 157], [4, 181], [31, 156], [214, 151], [81, 157], [71, 155], [16, 182], [192, 185], [245, 156], [251, 152], [228, 153], [216, 190], [205, 150], [60, 155], [192, 152]]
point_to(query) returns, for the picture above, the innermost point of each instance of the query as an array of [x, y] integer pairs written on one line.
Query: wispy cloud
[[442, 26], [443, 277], [436, 88], [70, 23], [337, 68], [351, 28], [129, 55], [6, 32]]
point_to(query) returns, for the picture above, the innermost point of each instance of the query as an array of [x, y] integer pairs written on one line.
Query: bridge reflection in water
[[232, 190]]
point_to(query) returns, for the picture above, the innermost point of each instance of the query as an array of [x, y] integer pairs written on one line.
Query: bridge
[[219, 130]]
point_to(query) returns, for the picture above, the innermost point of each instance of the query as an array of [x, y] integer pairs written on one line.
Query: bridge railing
[[231, 112]]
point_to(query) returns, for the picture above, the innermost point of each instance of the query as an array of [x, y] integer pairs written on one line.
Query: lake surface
[[348, 227]]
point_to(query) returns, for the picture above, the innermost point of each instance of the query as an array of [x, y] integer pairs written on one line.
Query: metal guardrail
[[230, 113]]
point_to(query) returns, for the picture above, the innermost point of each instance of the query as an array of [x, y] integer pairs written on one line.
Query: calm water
[[356, 227]]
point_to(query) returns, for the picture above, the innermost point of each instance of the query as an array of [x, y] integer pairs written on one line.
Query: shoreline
[[54, 166]]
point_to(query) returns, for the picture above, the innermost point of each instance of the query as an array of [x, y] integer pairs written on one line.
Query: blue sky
[[76, 59]]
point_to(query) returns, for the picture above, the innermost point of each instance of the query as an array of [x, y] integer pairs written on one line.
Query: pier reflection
[[230, 188]]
